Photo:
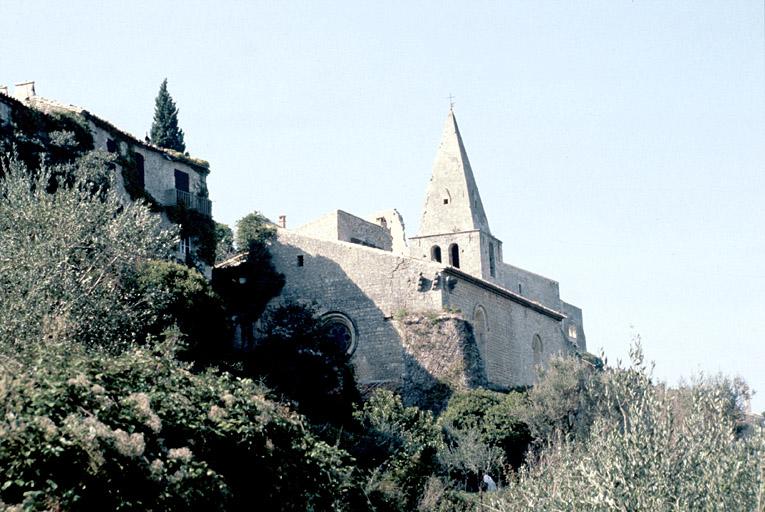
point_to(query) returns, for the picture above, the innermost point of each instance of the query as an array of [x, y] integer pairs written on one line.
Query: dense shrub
[[397, 451], [640, 455], [253, 227], [224, 242], [64, 257], [484, 431], [564, 399], [173, 294], [297, 357], [139, 431]]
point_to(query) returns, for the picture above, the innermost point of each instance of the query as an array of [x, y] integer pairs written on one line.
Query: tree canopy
[[164, 130]]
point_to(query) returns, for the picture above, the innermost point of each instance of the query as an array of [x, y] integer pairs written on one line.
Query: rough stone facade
[[492, 322], [440, 356]]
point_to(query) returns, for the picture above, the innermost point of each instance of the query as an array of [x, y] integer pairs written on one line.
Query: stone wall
[[440, 356], [533, 286], [574, 324], [343, 226], [506, 341], [369, 286], [357, 230], [469, 244], [395, 225]]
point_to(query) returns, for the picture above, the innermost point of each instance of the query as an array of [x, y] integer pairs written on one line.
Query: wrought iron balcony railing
[[193, 202]]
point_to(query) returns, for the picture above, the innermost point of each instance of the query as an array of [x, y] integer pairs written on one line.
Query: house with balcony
[[173, 183]]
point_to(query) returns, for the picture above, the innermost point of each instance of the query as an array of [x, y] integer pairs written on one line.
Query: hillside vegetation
[[117, 392]]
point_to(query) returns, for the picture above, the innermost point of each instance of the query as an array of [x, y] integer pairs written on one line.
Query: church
[[389, 300]]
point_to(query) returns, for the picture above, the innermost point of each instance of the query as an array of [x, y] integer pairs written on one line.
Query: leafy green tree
[[65, 257], [494, 419], [297, 357], [164, 130], [564, 399], [248, 287], [176, 295], [640, 455], [139, 431], [253, 227], [397, 451], [224, 247]]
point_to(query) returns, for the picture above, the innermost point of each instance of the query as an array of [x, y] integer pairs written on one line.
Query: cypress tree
[[164, 130]]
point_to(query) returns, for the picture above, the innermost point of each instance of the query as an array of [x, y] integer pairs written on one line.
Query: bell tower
[[454, 229]]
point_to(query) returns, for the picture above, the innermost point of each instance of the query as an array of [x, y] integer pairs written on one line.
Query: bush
[[297, 357], [253, 227], [640, 455], [174, 294], [65, 257], [484, 431], [397, 450], [564, 399], [139, 431]]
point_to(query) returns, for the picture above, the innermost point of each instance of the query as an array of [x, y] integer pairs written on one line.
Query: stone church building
[[369, 282]]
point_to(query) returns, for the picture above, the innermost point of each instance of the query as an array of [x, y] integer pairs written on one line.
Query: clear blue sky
[[619, 145]]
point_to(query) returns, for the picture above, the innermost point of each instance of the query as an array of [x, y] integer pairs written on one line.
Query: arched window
[[341, 330], [536, 347], [480, 327], [435, 253], [454, 255]]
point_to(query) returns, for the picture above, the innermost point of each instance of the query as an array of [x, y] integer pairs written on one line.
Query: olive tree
[[66, 249], [642, 455]]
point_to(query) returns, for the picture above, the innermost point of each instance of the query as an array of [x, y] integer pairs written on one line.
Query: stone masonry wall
[[533, 286], [357, 230], [506, 345], [440, 356], [369, 286], [469, 249], [343, 226], [574, 319]]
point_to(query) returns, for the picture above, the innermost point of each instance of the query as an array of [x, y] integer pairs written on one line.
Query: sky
[[619, 146]]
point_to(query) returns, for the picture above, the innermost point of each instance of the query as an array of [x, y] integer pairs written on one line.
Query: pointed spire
[[452, 202]]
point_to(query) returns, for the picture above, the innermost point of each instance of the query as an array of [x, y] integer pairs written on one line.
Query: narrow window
[[435, 253], [300, 260], [572, 331], [480, 328], [536, 347], [181, 181], [520, 289], [446, 201], [492, 269], [139, 170], [454, 255], [184, 247], [111, 146]]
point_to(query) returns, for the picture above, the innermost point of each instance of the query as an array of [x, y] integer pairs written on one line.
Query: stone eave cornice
[[519, 299], [436, 235]]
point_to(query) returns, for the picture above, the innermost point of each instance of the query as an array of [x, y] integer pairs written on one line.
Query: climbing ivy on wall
[[36, 137], [58, 139], [197, 226]]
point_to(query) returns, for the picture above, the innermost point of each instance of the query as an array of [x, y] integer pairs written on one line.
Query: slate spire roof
[[452, 202]]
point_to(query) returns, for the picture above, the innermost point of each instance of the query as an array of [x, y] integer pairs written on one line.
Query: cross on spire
[[451, 102]]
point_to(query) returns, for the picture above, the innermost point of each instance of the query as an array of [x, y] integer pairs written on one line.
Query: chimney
[[24, 91], [282, 221]]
